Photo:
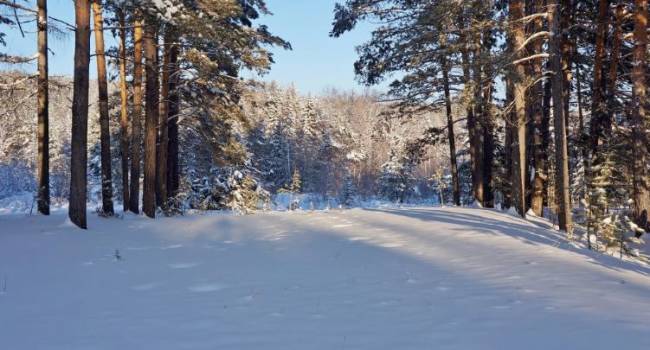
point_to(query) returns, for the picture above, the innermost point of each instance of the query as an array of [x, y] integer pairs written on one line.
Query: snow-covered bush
[[225, 188]]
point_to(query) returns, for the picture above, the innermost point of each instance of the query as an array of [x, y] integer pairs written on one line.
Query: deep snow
[[416, 278]]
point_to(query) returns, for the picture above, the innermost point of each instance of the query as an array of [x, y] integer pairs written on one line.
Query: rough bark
[[124, 113], [163, 144], [599, 117], [104, 130], [537, 118], [151, 122], [508, 150], [520, 83], [614, 57], [450, 126], [79, 157], [487, 120], [136, 118], [472, 125], [639, 118], [173, 165], [43, 136], [545, 135], [561, 149]]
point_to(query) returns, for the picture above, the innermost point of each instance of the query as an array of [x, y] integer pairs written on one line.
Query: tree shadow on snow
[[528, 232]]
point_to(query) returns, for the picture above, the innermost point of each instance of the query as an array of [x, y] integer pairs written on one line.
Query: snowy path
[[358, 279]]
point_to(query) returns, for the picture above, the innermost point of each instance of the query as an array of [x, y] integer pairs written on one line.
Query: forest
[[487, 185], [519, 104]]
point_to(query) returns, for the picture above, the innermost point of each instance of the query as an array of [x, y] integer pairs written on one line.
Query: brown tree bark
[[173, 165], [79, 157], [105, 133], [163, 144], [487, 119], [614, 57], [545, 135], [566, 14], [450, 124], [43, 113], [520, 82], [509, 138], [124, 113], [640, 123], [136, 118], [151, 121], [536, 100], [598, 104], [472, 125], [561, 149]]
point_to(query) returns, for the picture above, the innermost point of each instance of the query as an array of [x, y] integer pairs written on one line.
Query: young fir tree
[[349, 191]]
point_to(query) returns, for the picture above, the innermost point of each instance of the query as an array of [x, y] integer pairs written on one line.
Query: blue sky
[[316, 62]]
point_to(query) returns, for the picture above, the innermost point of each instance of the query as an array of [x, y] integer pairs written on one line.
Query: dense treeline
[[555, 96], [542, 104]]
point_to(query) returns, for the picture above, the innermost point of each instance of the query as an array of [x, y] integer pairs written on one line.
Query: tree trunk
[[79, 157], [567, 12], [613, 61], [561, 149], [173, 165], [151, 121], [136, 118], [163, 144], [583, 136], [487, 119], [639, 119], [43, 113], [598, 103], [478, 125], [105, 133], [520, 82], [124, 113], [472, 125], [450, 126], [537, 118], [508, 150]]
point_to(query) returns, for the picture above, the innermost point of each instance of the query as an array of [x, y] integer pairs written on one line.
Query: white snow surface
[[385, 278]]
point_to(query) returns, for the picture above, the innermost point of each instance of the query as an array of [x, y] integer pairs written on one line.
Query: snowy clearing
[[417, 278]]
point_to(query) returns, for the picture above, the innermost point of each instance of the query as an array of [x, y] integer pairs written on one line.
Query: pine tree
[[78, 163], [102, 84], [349, 191], [43, 112], [296, 183]]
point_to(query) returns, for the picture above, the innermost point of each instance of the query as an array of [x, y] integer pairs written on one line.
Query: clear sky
[[316, 62]]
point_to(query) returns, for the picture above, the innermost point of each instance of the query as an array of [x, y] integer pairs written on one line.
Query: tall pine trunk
[[561, 149], [173, 165], [613, 60], [79, 157], [450, 124], [487, 120], [136, 118], [105, 133], [520, 83], [124, 112], [537, 118], [477, 127], [472, 125], [151, 121], [43, 113], [598, 104], [639, 119], [163, 144], [508, 142]]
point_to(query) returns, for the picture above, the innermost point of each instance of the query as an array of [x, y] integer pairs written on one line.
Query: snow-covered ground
[[416, 278]]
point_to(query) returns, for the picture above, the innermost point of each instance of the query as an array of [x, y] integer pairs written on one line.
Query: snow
[[384, 278]]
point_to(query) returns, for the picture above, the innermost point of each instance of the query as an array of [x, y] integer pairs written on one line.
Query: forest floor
[[416, 278]]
